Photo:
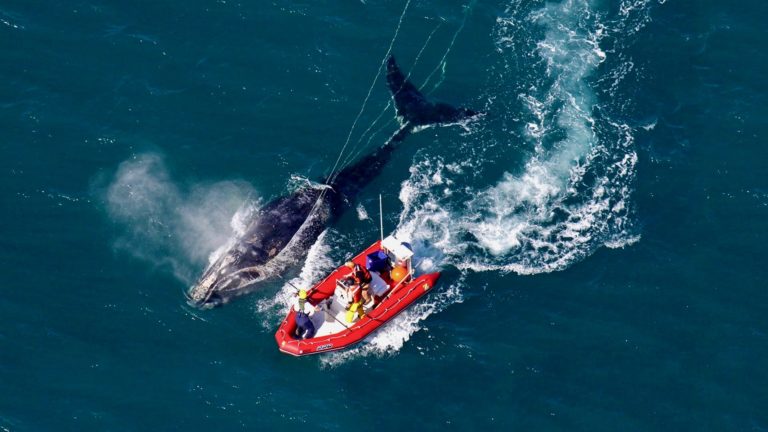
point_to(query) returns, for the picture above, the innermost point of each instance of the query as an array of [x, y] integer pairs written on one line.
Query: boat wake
[[318, 264], [573, 194]]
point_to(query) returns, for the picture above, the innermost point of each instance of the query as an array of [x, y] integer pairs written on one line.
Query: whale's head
[[226, 278]]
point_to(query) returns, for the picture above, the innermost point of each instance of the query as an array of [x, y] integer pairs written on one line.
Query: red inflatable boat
[[394, 287]]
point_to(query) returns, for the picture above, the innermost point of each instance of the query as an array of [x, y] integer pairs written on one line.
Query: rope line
[[370, 89], [413, 66], [365, 102], [353, 155], [440, 66], [336, 169]]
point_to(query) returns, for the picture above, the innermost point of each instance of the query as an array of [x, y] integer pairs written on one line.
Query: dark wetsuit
[[304, 324]]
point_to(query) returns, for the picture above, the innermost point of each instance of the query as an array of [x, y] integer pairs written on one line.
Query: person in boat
[[361, 283], [304, 327]]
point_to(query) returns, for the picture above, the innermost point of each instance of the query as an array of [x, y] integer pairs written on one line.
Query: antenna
[[381, 219]]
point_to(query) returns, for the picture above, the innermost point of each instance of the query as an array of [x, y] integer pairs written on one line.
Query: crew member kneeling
[[304, 327], [362, 279]]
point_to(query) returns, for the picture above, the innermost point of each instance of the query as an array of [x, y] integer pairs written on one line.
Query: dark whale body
[[280, 233]]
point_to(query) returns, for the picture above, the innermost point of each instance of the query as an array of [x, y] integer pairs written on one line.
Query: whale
[[279, 234]]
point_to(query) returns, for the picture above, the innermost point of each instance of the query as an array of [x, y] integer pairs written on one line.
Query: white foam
[[362, 214], [318, 264], [650, 125], [572, 195], [12, 20], [635, 15]]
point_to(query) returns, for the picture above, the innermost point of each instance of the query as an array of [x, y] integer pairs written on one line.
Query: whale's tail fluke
[[415, 111], [414, 108]]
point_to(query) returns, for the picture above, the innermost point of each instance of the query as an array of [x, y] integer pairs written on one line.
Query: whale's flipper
[[414, 107]]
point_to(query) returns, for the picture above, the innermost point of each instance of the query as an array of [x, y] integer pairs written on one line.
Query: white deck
[[323, 318]]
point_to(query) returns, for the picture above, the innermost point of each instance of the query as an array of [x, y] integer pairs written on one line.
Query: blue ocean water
[[600, 230]]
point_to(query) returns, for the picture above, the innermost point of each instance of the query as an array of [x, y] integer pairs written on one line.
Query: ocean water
[[600, 230]]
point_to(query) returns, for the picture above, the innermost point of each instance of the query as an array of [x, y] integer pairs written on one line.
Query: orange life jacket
[[361, 274]]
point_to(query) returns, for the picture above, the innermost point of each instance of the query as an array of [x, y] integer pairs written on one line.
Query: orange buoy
[[398, 273]]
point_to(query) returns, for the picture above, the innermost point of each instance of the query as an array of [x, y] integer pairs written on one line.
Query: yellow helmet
[[303, 294], [350, 264]]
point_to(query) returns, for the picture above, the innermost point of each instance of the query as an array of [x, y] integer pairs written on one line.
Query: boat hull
[[397, 300]]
